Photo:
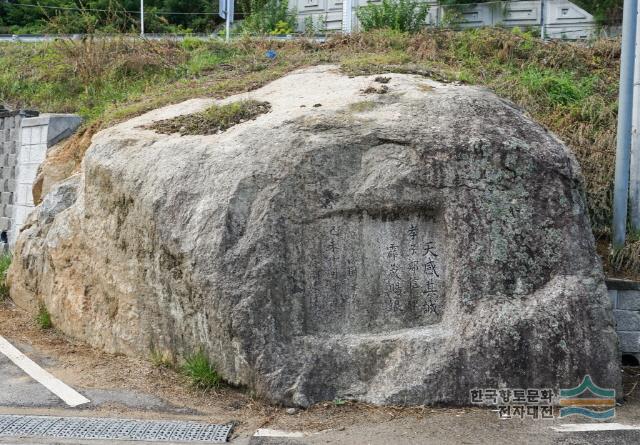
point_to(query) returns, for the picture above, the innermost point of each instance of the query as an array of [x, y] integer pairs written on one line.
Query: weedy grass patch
[[559, 87], [201, 372], [5, 262], [43, 318]]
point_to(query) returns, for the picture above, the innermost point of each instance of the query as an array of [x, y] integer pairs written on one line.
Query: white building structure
[[562, 18]]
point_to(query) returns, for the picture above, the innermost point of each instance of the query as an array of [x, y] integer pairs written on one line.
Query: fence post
[[623, 148], [542, 23], [634, 174], [142, 18], [347, 16]]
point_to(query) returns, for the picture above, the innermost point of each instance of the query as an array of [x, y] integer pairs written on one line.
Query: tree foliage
[[87, 16], [270, 17], [606, 12], [398, 15]]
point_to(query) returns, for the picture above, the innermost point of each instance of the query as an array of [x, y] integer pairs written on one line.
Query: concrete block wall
[[37, 134], [10, 122], [563, 18], [625, 299]]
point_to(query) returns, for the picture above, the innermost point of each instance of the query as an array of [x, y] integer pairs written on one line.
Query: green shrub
[[201, 372], [272, 17], [314, 26], [309, 26], [43, 319], [282, 29], [452, 17], [399, 15], [5, 262]]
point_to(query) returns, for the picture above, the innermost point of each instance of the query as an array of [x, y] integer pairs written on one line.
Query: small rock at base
[[291, 410]]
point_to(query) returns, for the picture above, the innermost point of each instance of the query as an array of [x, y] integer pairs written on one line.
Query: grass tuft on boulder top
[[214, 119]]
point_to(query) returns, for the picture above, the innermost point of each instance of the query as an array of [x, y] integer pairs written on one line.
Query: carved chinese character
[[413, 232], [332, 246], [431, 307], [430, 287], [430, 268], [413, 285], [392, 251], [393, 287], [429, 250], [394, 303]]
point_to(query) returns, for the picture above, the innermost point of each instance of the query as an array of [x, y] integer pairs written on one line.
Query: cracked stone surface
[[397, 248]]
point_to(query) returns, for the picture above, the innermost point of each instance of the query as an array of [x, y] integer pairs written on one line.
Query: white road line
[[266, 432], [582, 427], [68, 395]]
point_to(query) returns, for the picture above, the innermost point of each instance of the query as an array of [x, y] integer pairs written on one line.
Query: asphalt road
[[18, 390]]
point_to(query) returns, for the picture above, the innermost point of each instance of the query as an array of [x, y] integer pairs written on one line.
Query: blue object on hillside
[[271, 54]]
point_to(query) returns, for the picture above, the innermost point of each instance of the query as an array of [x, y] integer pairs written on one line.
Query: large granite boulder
[[393, 247]]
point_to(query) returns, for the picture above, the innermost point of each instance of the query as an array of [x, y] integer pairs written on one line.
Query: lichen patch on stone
[[214, 119], [363, 106]]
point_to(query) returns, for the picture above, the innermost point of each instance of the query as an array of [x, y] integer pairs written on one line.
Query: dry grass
[[63, 160], [214, 119], [73, 149], [93, 58]]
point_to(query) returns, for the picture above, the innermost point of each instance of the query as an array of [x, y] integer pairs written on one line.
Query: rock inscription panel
[[372, 273]]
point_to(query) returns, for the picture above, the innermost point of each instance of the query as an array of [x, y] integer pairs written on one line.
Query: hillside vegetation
[[571, 88]]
